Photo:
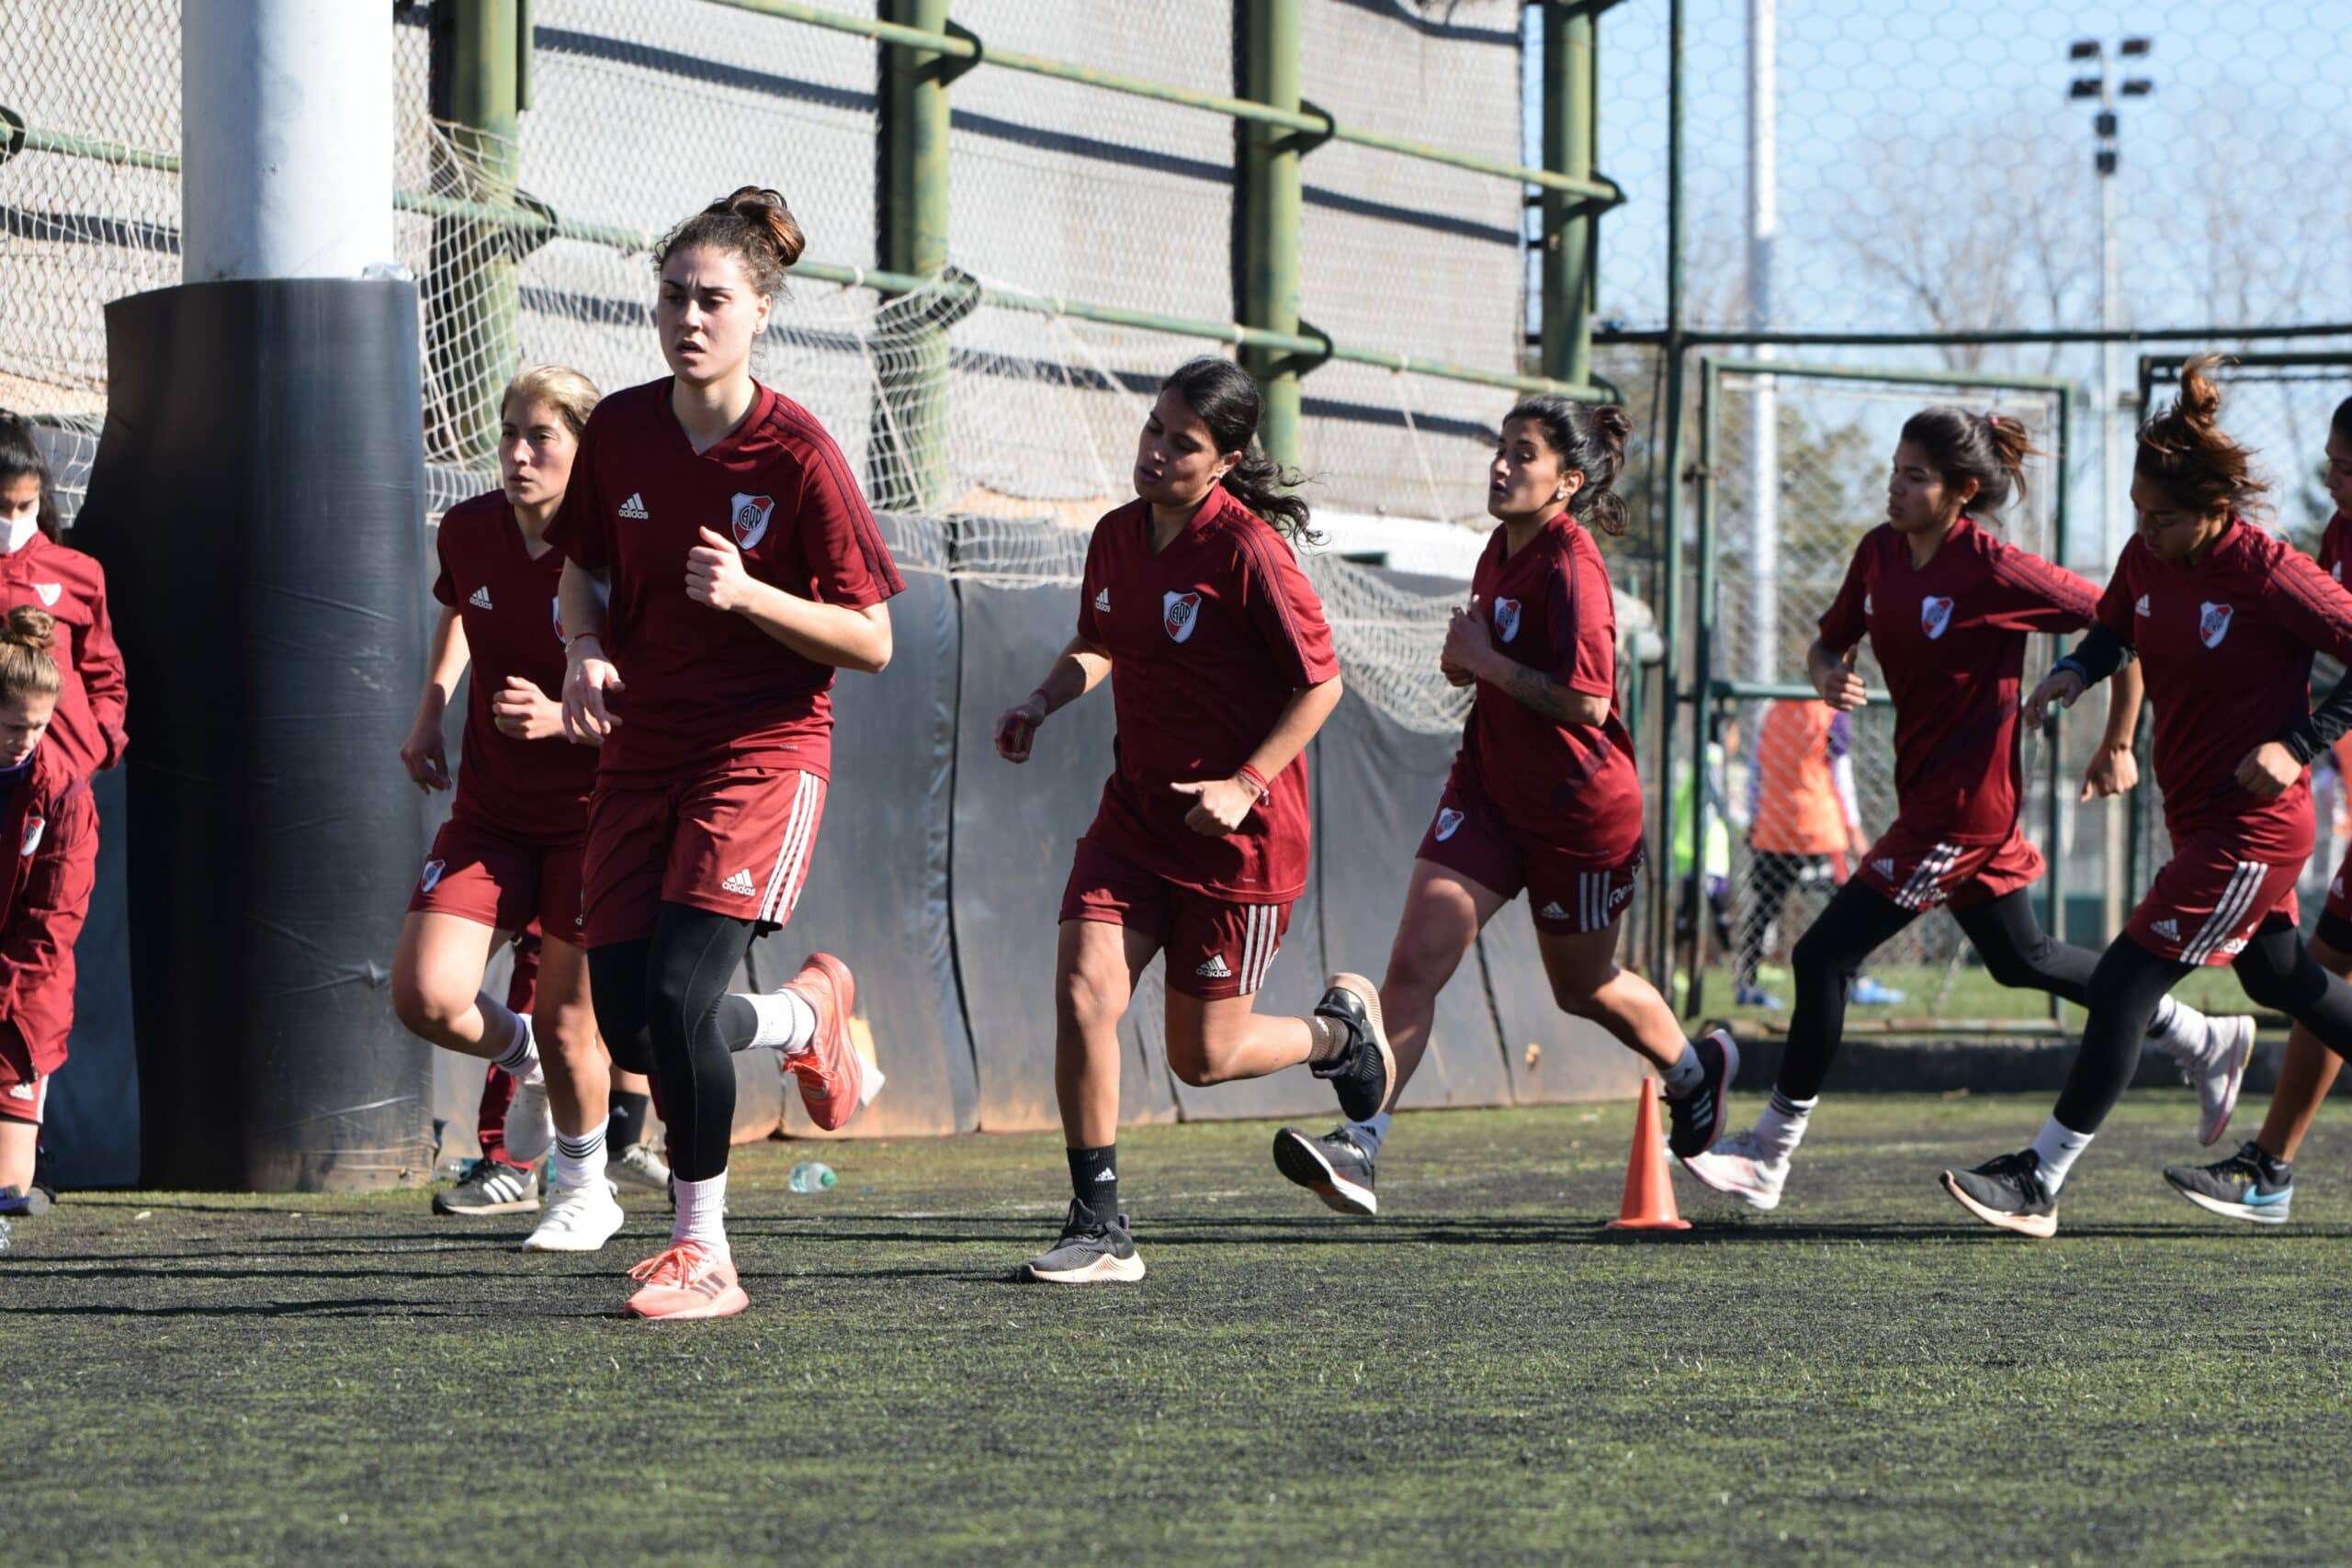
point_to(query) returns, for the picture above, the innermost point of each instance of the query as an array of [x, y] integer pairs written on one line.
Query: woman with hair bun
[[1946, 607], [2224, 618], [51, 828], [1194, 606], [721, 565], [1543, 797]]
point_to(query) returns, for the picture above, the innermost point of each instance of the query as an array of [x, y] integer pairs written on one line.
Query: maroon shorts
[[479, 875], [734, 843], [1215, 948], [24, 1093], [1917, 871], [1567, 891], [2207, 902]]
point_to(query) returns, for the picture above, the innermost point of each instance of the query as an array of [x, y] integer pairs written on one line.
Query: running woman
[[510, 853], [1946, 607], [2257, 1183], [2225, 618], [51, 828], [1543, 797], [36, 570], [1221, 672], [743, 569]]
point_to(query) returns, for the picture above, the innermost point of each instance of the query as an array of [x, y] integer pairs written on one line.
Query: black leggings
[[660, 1002], [2275, 971], [1860, 919]]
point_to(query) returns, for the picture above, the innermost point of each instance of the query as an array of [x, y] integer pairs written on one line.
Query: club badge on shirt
[[2212, 624], [1507, 618], [34, 828], [1180, 613], [49, 592], [749, 515], [1935, 614]]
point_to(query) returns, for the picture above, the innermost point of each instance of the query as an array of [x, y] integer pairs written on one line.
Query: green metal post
[[472, 299], [1671, 709], [1269, 206], [910, 458], [1568, 226]]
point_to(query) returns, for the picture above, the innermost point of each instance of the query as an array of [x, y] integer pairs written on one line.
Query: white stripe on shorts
[[1922, 885], [2229, 912], [791, 857]]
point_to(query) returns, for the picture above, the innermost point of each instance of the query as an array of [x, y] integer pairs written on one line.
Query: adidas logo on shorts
[[740, 884], [1552, 911], [1885, 867], [1215, 968], [2169, 930], [2142, 607], [480, 601], [634, 507], [1103, 601]]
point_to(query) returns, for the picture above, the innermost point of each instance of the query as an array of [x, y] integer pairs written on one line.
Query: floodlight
[[2104, 122], [2083, 49], [2137, 45], [2138, 87], [2084, 87], [2107, 160]]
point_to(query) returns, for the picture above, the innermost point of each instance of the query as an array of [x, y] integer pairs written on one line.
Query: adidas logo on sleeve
[[634, 507], [480, 601]]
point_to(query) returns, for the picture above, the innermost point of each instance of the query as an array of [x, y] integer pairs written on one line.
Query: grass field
[[1942, 992], [1482, 1375]]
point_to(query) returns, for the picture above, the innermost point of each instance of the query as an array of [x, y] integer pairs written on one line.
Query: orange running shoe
[[835, 1081], [685, 1281]]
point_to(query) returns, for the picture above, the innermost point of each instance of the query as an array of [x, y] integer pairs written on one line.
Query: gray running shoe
[[2239, 1187], [491, 1187], [1334, 1167], [639, 1167], [2007, 1191], [1088, 1253]]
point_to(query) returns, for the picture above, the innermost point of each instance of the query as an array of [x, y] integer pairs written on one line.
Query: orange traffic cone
[[1648, 1204]]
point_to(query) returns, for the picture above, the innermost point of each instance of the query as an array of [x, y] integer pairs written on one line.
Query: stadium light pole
[[1764, 426]]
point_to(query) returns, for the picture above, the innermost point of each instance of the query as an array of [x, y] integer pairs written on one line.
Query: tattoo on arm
[[1531, 688]]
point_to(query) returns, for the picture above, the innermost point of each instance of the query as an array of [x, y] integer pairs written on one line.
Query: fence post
[[1268, 181], [1569, 225], [910, 467], [472, 296]]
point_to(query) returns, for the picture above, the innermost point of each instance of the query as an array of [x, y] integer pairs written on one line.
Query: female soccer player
[[2257, 1183], [1946, 607], [2224, 617], [36, 570], [1221, 672], [510, 853], [51, 828], [1543, 795], [743, 569]]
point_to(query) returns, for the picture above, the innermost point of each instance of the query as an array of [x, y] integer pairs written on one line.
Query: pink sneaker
[[685, 1281]]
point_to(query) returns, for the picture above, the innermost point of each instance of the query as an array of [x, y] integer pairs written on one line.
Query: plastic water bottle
[[5, 1242], [812, 1175]]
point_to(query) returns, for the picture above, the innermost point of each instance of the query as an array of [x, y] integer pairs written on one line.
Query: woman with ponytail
[[1221, 672], [1544, 796], [36, 570], [52, 830], [2224, 618], [1946, 607], [721, 565]]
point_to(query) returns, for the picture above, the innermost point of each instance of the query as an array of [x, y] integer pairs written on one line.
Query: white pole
[[2112, 496], [1768, 660], [287, 150]]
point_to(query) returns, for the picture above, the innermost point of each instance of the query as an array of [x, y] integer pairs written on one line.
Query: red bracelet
[[1255, 780]]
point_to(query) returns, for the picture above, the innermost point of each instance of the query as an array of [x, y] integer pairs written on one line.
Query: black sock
[[626, 1129], [1094, 1178], [2274, 1169]]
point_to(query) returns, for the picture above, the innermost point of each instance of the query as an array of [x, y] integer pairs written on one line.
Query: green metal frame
[[1707, 692], [909, 471], [473, 293]]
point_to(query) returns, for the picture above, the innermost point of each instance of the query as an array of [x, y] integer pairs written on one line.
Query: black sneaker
[[27, 1202], [1364, 1073], [1334, 1167], [2006, 1192], [1694, 1122], [1089, 1252], [2240, 1186]]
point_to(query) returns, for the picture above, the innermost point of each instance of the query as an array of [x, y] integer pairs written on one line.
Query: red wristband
[[1255, 780]]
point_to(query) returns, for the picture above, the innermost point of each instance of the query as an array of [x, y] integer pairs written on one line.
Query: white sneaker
[[579, 1219], [1736, 1166], [530, 1124], [2212, 1053], [639, 1167]]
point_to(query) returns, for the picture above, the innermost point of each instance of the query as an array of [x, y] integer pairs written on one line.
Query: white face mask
[[20, 532]]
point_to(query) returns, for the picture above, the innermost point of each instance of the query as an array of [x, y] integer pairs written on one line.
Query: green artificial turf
[[1481, 1374]]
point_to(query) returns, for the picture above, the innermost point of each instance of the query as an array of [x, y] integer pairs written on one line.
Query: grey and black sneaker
[[1334, 1167], [1089, 1252], [2007, 1191], [1694, 1122], [2249, 1185], [1364, 1073], [491, 1187], [26, 1201], [641, 1168]]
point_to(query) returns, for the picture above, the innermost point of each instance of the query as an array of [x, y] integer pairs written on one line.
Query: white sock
[[1368, 1134], [787, 1021], [578, 1161], [2056, 1146], [1686, 1075], [2161, 1026], [702, 1216], [1780, 1128], [522, 1055]]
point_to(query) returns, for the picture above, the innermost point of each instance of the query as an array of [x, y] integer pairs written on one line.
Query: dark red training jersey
[[71, 586], [533, 790], [2227, 646], [49, 828], [1571, 786], [705, 690], [1208, 640], [1951, 637], [2334, 545]]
